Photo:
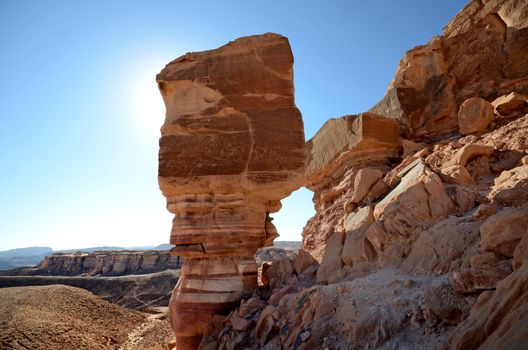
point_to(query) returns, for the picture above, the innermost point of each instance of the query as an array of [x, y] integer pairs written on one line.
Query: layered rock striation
[[232, 147], [108, 263], [421, 209]]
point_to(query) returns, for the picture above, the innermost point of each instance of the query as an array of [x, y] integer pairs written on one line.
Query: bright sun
[[147, 103]]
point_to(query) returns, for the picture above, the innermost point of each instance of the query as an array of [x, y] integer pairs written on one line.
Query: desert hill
[[62, 317]]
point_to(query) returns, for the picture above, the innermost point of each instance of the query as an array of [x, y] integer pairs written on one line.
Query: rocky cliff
[[107, 263], [232, 147], [421, 229]]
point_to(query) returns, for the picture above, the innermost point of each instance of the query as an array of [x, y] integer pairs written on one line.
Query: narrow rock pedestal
[[232, 147]]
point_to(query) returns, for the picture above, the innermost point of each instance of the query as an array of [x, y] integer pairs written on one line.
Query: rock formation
[[346, 158], [108, 263], [420, 234], [482, 53], [232, 147]]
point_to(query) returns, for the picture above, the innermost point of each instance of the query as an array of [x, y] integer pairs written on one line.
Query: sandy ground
[[64, 317]]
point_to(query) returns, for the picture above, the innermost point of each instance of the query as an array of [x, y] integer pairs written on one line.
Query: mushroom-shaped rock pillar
[[232, 147]]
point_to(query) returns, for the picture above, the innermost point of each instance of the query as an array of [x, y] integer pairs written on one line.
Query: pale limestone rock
[[109, 262], [475, 115], [360, 220], [356, 246], [418, 202], [504, 230]]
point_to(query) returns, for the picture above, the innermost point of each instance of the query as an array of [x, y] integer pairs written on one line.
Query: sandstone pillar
[[232, 147]]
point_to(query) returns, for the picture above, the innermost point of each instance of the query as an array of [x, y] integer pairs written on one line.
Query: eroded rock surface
[[410, 235], [108, 263], [232, 147], [480, 54]]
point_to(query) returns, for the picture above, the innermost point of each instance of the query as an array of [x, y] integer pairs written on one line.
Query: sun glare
[[147, 104]]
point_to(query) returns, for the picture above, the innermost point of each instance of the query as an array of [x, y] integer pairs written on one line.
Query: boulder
[[511, 186], [358, 139], [410, 147], [508, 104], [329, 270], [345, 157], [420, 96], [418, 202], [279, 273], [499, 319], [473, 279], [356, 246], [365, 179], [445, 247], [520, 253], [504, 230], [475, 115], [303, 260]]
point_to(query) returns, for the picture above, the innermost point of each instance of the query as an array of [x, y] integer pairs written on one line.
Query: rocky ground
[[64, 317], [133, 291]]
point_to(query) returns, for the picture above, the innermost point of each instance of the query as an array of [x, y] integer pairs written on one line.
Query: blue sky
[[80, 111]]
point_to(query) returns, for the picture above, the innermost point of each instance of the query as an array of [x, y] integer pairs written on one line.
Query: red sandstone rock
[[232, 147], [337, 155], [330, 268], [416, 203], [303, 260], [427, 226], [445, 247], [473, 279], [482, 53], [364, 181], [475, 115], [508, 104], [499, 319], [351, 139], [504, 230], [410, 148], [420, 97], [511, 186]]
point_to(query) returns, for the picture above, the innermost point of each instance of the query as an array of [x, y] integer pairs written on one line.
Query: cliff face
[[420, 233], [109, 263], [232, 147], [482, 52]]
